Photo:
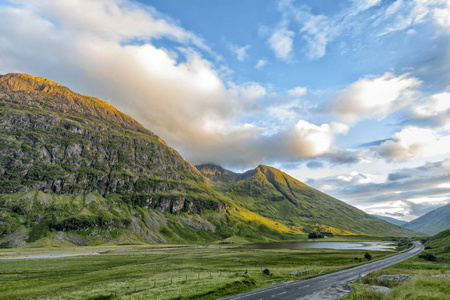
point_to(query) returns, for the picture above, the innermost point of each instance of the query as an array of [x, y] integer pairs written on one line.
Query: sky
[[351, 97]]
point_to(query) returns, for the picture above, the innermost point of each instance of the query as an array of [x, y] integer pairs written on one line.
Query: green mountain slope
[[433, 222], [278, 196], [90, 219]]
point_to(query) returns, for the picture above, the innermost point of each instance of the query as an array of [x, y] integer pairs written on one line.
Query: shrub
[[368, 256], [312, 235], [428, 256]]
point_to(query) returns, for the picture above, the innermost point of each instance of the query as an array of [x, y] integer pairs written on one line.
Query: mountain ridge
[[275, 194], [33, 91]]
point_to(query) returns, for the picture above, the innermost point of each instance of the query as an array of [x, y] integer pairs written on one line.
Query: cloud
[[433, 111], [261, 63], [407, 192], [107, 49], [281, 42], [413, 142], [315, 164], [297, 92], [308, 140], [375, 97], [359, 20], [441, 14], [240, 52]]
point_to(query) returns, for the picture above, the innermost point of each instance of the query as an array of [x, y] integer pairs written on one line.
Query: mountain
[[391, 220], [433, 222], [75, 170], [276, 195], [71, 162]]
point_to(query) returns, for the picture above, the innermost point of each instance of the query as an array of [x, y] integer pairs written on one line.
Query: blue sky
[[351, 97]]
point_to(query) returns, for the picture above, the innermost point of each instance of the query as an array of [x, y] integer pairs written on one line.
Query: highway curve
[[301, 288]]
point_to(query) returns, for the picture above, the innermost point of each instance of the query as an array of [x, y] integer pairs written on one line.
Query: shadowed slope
[[433, 222]]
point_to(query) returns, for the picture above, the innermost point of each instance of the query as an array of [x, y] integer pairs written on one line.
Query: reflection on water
[[328, 245]]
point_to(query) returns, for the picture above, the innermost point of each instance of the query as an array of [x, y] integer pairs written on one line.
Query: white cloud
[[240, 52], [318, 32], [297, 92], [372, 17], [434, 105], [281, 42], [414, 142], [442, 14], [261, 63], [375, 97], [309, 140], [406, 193]]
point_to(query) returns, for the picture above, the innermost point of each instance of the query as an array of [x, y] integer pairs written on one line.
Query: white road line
[[279, 294], [303, 287]]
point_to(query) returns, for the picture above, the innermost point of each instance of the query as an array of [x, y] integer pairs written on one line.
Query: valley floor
[[161, 271]]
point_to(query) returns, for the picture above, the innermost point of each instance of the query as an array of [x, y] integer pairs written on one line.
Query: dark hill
[[433, 222]]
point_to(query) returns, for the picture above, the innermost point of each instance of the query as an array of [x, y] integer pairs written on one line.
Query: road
[[298, 289]]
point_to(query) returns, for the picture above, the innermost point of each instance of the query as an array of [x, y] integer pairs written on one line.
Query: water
[[48, 256], [375, 246]]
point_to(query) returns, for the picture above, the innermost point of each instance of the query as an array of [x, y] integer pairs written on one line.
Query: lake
[[376, 246]]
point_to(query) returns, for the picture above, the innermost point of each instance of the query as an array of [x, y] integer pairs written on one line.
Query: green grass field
[[424, 284], [160, 272]]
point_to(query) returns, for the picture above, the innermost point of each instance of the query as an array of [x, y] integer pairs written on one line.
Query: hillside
[[278, 196], [433, 222], [391, 220], [75, 170]]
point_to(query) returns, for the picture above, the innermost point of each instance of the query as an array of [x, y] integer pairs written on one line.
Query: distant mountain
[[433, 222], [391, 220], [276, 195]]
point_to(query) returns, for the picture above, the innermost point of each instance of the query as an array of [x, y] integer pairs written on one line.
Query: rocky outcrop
[[217, 173]]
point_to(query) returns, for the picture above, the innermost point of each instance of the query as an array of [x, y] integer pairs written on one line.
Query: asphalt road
[[298, 289]]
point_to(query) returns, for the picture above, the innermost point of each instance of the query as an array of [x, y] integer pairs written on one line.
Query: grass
[[422, 285], [159, 272]]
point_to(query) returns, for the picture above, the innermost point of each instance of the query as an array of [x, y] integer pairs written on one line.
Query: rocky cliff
[[56, 141]]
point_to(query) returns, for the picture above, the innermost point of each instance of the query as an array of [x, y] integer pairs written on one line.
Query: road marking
[[279, 294], [303, 287]]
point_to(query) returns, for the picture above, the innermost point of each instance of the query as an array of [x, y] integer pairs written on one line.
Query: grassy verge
[[150, 272], [422, 286]]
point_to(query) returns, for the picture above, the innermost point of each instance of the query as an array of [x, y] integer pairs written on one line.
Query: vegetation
[[430, 273], [160, 272], [280, 197]]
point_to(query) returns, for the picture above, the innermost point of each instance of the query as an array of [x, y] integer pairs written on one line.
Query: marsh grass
[[153, 272]]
